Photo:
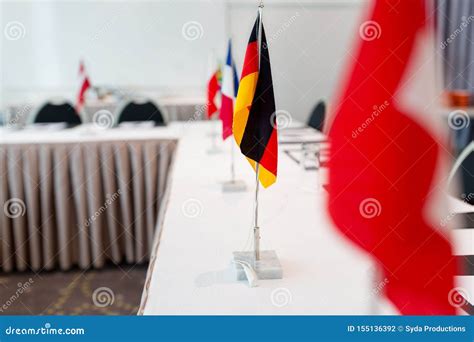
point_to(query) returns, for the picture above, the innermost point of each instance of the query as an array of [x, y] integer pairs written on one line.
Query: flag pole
[[214, 133], [256, 229], [232, 158], [232, 142]]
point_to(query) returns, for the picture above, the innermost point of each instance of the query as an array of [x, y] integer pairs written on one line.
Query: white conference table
[[190, 270]]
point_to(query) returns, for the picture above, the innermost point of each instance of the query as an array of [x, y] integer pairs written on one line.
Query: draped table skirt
[[80, 204]]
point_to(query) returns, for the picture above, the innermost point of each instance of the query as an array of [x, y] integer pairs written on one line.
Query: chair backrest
[[146, 111], [317, 117], [463, 169], [63, 112]]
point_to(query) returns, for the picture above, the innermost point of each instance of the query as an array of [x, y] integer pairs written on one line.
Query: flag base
[[212, 134], [268, 267], [234, 186], [214, 150]]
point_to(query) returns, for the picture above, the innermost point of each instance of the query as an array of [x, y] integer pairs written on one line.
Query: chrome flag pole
[[233, 185], [256, 228], [232, 161], [229, 78], [264, 263]]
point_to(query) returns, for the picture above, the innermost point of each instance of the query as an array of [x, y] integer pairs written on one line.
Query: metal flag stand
[[213, 133], [256, 228], [265, 263], [214, 149], [233, 185]]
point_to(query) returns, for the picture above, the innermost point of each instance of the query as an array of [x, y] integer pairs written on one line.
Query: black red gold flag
[[255, 127]]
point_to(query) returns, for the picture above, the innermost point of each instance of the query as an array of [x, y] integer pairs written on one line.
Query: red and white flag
[[386, 159], [84, 85], [213, 87]]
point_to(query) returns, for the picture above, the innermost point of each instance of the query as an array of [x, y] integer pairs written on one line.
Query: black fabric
[[58, 113], [466, 263], [464, 220], [467, 168], [262, 119], [147, 111], [254, 35], [317, 117]]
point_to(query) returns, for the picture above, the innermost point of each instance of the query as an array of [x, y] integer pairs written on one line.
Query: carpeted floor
[[114, 290]]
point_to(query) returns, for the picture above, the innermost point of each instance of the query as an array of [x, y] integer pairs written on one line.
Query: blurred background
[[164, 49]]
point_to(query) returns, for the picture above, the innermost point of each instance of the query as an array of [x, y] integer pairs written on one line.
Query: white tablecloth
[[189, 271], [80, 197]]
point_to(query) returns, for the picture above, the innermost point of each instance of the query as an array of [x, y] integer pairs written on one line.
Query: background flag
[[84, 85], [382, 182], [213, 87], [255, 128], [230, 84]]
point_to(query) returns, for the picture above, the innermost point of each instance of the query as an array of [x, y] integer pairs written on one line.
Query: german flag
[[255, 128]]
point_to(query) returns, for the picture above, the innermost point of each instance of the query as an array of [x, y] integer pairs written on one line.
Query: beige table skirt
[[83, 204]]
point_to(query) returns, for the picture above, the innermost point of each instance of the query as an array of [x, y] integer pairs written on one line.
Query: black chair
[[51, 113], [316, 120], [146, 111], [463, 170]]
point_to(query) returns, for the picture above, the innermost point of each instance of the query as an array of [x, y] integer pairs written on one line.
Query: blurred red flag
[[383, 162], [83, 86], [213, 87]]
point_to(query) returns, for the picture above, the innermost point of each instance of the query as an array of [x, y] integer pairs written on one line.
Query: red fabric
[[82, 91], [270, 158], [226, 116], [81, 68], [390, 163], [250, 60], [212, 90]]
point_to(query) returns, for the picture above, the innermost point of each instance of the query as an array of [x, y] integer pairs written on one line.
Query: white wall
[[140, 45], [308, 43]]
